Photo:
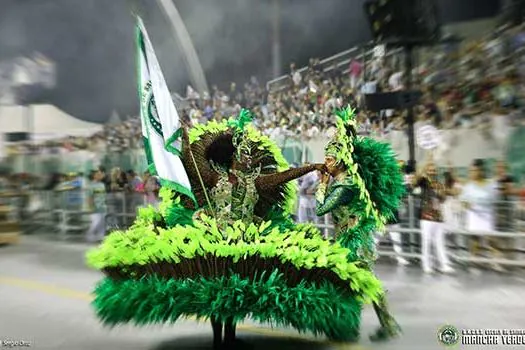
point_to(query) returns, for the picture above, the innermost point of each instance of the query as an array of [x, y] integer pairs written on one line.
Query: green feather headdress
[[241, 143], [244, 118], [340, 147]]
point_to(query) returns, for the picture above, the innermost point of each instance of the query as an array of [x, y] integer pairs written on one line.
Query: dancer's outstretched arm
[[325, 204], [270, 181]]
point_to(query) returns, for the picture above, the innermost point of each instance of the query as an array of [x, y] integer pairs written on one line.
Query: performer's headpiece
[[340, 147], [240, 138]]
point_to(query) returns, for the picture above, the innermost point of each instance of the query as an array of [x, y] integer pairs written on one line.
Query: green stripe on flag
[[179, 188], [169, 144], [149, 157]]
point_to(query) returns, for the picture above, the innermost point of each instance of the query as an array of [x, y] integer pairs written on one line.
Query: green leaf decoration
[[244, 118], [210, 127], [347, 114]]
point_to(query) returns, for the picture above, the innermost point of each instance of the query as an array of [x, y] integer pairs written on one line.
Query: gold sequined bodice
[[235, 200]]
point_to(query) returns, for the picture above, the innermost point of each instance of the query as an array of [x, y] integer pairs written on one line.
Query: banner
[[161, 127]]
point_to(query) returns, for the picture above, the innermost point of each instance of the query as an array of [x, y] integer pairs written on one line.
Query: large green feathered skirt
[[268, 273]]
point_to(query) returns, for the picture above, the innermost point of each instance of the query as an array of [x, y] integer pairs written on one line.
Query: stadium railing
[[327, 64], [65, 215], [340, 61]]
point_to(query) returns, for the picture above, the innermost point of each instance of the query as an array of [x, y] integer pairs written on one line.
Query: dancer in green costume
[[365, 192], [235, 254]]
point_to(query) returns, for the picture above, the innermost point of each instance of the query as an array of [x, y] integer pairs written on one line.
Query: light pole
[[183, 38], [276, 39], [408, 49]]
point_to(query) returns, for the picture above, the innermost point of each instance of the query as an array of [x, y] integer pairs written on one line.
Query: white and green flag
[[161, 126]]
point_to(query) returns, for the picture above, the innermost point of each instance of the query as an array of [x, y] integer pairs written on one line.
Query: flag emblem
[[153, 115]]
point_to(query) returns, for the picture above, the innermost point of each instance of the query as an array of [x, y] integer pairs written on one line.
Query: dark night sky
[[92, 41]]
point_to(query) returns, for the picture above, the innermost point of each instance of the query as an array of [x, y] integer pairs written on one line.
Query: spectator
[[504, 208], [97, 204], [141, 186], [395, 81], [432, 228], [53, 182], [306, 211], [296, 75], [356, 68], [116, 184], [478, 196], [116, 198], [452, 205], [133, 180], [505, 191], [151, 189]]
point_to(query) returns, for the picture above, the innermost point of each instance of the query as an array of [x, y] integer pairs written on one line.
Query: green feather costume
[[235, 253], [362, 198]]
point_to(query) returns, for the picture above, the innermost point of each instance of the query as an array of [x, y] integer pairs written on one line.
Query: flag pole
[[132, 6]]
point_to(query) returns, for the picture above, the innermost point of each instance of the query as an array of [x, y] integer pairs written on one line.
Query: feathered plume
[[244, 118], [346, 120], [346, 114]]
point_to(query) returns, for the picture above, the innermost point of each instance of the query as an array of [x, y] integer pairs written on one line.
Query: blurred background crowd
[[475, 84]]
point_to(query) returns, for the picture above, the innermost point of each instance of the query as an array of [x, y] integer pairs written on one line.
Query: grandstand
[[298, 115]]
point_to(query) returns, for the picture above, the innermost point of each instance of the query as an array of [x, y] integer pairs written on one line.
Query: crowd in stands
[[474, 84]]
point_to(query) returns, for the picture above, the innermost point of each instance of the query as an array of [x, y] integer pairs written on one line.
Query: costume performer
[[365, 192], [235, 253]]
